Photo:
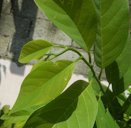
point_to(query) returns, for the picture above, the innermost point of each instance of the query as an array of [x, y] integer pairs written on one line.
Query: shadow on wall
[[10, 83], [24, 14], [4, 69], [24, 20]]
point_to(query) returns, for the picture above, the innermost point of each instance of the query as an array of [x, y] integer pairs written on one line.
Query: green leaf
[[113, 77], [124, 64], [95, 86], [113, 28], [112, 103], [124, 60], [128, 111], [127, 77], [127, 106], [41, 86], [121, 98], [34, 50], [104, 118], [119, 72], [4, 111], [75, 108], [77, 18]]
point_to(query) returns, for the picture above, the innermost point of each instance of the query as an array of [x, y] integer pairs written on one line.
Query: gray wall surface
[[21, 21]]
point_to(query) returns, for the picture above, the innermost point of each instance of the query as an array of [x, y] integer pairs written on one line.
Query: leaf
[[124, 64], [75, 108], [95, 86], [113, 28], [70, 17], [34, 50], [124, 60], [4, 112], [119, 72], [104, 118], [127, 77], [113, 77], [41, 86], [127, 106], [112, 103]]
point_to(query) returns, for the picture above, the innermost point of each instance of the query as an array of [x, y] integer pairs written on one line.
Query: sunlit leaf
[[34, 50], [77, 18], [104, 118], [41, 86], [75, 108]]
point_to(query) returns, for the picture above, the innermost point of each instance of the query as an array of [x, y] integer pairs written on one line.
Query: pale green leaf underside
[[77, 18], [38, 87], [104, 118], [75, 108], [113, 30], [34, 50]]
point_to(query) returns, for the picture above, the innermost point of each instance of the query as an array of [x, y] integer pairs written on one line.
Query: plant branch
[[81, 56], [90, 66], [89, 55], [56, 55], [99, 77]]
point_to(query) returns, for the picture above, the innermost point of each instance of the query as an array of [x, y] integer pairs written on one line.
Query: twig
[[90, 66]]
